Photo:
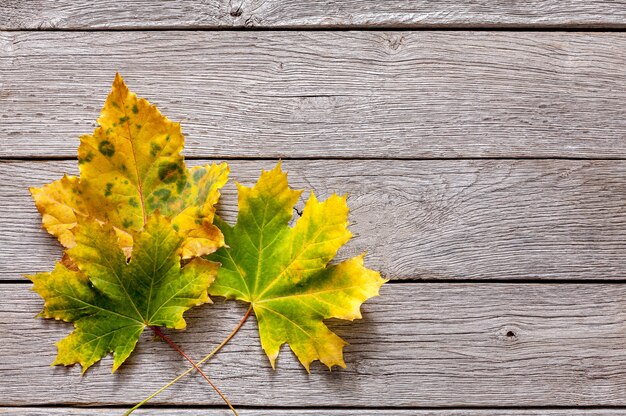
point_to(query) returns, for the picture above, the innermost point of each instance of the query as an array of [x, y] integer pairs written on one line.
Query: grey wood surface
[[419, 345], [105, 14], [462, 219], [37, 411], [376, 94], [486, 171]]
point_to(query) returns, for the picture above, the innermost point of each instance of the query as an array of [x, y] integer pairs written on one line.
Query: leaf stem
[[195, 366]]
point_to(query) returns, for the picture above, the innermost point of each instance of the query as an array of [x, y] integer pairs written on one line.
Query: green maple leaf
[[111, 301], [283, 273]]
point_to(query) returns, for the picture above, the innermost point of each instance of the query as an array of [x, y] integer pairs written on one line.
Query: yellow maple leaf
[[130, 167]]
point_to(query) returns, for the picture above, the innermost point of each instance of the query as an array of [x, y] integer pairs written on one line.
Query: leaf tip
[[118, 79], [225, 167], [272, 358], [113, 368], [34, 191]]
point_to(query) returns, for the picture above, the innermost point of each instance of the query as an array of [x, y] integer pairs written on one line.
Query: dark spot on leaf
[[114, 104], [107, 189], [175, 227], [106, 148], [86, 159], [135, 109], [197, 175], [127, 223], [167, 138], [124, 119], [170, 172], [133, 202], [154, 149], [138, 126], [180, 185], [163, 194]]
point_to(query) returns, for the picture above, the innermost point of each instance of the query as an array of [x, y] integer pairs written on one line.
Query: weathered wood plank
[[487, 219], [316, 94], [106, 14], [37, 411], [419, 345]]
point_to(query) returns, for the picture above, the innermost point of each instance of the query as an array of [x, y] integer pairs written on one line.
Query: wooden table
[[483, 148]]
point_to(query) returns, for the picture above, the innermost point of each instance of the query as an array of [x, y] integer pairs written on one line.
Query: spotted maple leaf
[[130, 167]]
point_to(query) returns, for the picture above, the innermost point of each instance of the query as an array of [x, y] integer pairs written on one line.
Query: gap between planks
[[10, 158]]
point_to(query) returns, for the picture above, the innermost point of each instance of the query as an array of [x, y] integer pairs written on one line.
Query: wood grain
[[385, 108], [109, 14], [38, 411], [419, 345], [408, 94], [487, 219]]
